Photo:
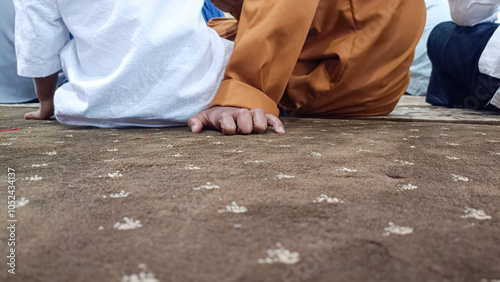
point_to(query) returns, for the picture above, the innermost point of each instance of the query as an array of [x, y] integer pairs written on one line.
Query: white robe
[[131, 63]]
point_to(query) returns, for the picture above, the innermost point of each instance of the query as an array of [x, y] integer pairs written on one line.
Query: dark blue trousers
[[455, 80]]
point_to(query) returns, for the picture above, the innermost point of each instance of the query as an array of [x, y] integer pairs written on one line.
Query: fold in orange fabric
[[319, 57]]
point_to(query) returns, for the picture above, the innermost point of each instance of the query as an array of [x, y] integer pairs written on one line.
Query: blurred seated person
[[209, 11], [465, 57], [13, 88]]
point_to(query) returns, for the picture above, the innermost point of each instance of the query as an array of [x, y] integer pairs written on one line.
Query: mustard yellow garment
[[319, 57]]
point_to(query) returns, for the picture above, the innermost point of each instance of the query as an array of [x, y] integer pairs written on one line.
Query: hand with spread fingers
[[232, 120]]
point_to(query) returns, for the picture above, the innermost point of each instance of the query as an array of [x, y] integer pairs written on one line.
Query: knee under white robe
[[131, 63]]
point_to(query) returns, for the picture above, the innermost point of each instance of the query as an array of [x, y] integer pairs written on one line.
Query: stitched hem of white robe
[[496, 99]]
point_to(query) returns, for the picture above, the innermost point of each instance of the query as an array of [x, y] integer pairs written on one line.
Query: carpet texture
[[331, 200]]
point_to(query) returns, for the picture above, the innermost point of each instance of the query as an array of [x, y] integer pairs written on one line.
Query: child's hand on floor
[[231, 120], [46, 111]]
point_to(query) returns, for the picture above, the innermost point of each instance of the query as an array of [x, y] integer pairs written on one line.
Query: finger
[[244, 121], [226, 124], [195, 124], [275, 123], [259, 120], [199, 121]]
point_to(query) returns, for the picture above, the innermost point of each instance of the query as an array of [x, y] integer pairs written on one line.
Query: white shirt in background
[[132, 63], [472, 12], [438, 11]]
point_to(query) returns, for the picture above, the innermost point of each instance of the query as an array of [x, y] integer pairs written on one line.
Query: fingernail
[[192, 128]]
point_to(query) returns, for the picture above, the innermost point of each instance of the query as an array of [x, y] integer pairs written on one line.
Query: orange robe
[[319, 57]]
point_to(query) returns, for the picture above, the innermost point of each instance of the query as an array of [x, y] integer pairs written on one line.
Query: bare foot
[[46, 111]]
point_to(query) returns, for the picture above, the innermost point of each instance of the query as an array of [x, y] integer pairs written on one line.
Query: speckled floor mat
[[332, 200]]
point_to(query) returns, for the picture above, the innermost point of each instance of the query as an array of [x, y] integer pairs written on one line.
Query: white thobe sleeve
[[40, 34], [472, 12]]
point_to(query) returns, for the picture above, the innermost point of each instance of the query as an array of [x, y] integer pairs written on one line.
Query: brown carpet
[[397, 207]]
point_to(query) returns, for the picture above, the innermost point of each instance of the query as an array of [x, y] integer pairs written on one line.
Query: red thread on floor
[[12, 129]]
